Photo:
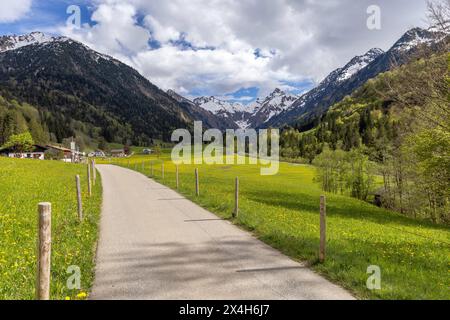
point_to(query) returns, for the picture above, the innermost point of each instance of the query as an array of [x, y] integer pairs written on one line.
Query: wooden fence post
[[143, 166], [129, 164], [177, 179], [323, 228], [236, 198], [151, 165], [197, 186], [80, 204], [44, 251], [94, 173], [89, 179], [162, 169]]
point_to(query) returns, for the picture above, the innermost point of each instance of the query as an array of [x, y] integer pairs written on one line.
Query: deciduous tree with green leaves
[[22, 142]]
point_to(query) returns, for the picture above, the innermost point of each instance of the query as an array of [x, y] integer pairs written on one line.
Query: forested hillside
[[84, 93], [47, 127], [17, 118], [398, 128]]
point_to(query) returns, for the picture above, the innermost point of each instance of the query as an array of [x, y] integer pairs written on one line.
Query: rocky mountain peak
[[13, 42], [417, 36]]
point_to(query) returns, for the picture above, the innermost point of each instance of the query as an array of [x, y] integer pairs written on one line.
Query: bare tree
[[439, 14]]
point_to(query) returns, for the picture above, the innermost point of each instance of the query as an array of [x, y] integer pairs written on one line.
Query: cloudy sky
[[237, 49]]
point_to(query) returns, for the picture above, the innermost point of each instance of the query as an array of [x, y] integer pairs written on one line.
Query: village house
[[68, 155], [118, 153], [38, 152]]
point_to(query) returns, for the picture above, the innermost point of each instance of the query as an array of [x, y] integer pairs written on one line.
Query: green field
[[283, 211], [25, 183]]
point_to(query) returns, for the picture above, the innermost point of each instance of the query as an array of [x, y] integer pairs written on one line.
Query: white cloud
[[116, 31], [11, 11], [297, 39], [219, 70]]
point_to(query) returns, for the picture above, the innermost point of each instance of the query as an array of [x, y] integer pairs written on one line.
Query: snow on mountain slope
[[331, 84], [358, 63], [251, 115], [216, 105], [208, 118], [11, 43], [344, 81], [417, 36], [15, 42], [272, 105]]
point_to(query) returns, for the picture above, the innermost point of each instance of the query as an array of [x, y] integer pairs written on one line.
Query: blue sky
[[44, 15], [234, 50]]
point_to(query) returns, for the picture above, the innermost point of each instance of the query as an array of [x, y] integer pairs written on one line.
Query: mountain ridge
[[305, 111], [251, 115], [64, 77]]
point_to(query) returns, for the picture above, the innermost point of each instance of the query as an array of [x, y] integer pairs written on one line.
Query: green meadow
[[23, 184], [283, 211]]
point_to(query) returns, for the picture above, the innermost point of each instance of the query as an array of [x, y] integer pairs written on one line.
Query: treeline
[[342, 172], [18, 118], [396, 127], [58, 128]]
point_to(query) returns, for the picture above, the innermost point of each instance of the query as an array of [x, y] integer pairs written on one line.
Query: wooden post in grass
[[129, 164], [236, 198], [89, 179], [80, 204], [94, 173], [151, 165], [143, 166], [323, 228], [162, 169], [177, 179], [44, 251], [197, 186]]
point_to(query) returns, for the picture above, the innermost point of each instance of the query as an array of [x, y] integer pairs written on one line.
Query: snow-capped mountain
[[209, 119], [251, 115], [235, 112], [349, 70], [265, 109], [12, 43], [15, 42], [345, 80], [218, 106], [416, 37], [358, 63], [329, 87]]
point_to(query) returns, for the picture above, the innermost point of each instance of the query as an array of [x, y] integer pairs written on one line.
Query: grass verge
[[23, 184]]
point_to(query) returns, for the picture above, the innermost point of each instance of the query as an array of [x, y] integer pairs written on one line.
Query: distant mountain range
[[209, 118], [280, 108], [78, 89], [252, 115]]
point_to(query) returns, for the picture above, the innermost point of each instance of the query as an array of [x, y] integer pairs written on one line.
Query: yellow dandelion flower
[[82, 295]]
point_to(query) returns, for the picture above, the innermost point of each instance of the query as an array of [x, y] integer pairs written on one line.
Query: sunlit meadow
[[283, 211], [23, 184]]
